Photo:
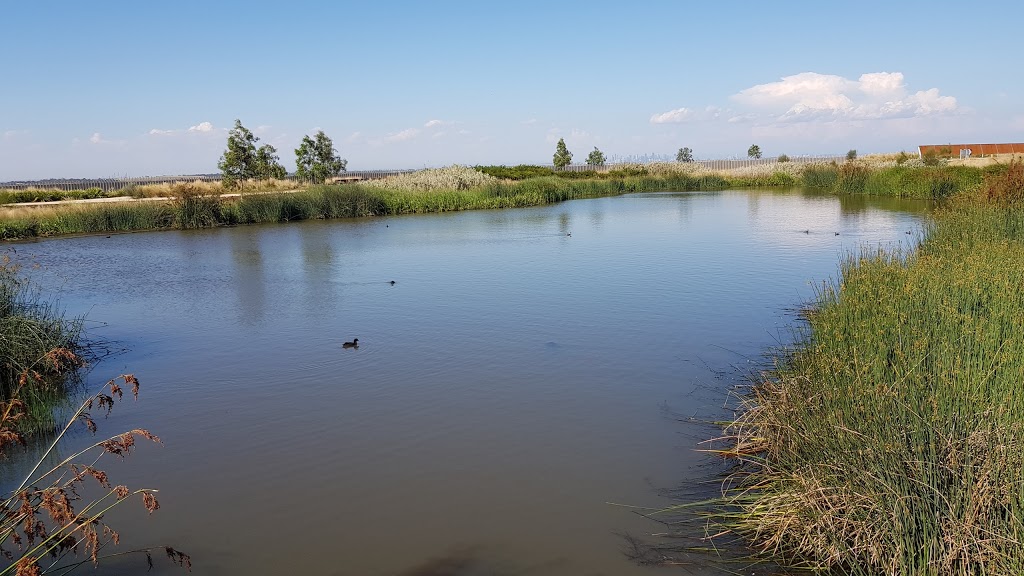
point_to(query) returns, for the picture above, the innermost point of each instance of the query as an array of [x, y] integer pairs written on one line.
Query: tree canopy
[[754, 151], [596, 158], [684, 155], [316, 160], [242, 161], [562, 156]]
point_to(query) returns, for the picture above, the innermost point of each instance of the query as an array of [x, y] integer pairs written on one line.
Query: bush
[[851, 155], [782, 158]]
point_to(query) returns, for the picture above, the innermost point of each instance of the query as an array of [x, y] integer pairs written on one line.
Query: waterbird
[[807, 231], [353, 344], [392, 282], [568, 233], [837, 233]]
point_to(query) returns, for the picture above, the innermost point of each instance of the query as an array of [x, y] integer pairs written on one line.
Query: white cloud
[[96, 138], [529, 121], [159, 132], [673, 116], [201, 127], [404, 135], [12, 134], [811, 96], [433, 123]]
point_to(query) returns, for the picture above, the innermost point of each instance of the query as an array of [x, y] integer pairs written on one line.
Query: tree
[[684, 155], [242, 161], [316, 159], [754, 151], [851, 155], [782, 158], [268, 165], [562, 155], [596, 158]]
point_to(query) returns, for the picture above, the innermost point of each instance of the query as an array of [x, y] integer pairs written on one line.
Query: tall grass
[[32, 328], [196, 208], [890, 439]]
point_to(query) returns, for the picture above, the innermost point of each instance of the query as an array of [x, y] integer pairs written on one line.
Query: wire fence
[[713, 164], [114, 184]]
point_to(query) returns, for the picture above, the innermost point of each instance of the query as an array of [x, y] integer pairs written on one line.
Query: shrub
[[782, 158], [851, 155]]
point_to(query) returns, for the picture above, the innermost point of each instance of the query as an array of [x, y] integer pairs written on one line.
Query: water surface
[[526, 368]]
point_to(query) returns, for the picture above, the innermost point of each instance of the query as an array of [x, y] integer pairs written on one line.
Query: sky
[[123, 89]]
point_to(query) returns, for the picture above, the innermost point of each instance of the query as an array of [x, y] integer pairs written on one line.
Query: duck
[[392, 282], [353, 344]]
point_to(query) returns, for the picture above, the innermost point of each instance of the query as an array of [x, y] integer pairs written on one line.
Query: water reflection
[[250, 278]]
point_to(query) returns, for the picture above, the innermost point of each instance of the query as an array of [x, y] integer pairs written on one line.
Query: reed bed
[[31, 327], [890, 439]]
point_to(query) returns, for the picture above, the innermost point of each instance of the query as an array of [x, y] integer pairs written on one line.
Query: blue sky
[[102, 89]]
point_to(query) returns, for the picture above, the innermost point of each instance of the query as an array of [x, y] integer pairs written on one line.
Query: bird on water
[[353, 344]]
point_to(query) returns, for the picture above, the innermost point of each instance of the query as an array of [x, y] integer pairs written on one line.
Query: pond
[[526, 371]]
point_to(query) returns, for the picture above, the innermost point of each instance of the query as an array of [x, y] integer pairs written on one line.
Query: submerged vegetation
[[890, 439]]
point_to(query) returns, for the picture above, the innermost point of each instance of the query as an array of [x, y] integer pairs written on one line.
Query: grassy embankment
[[199, 205], [890, 440]]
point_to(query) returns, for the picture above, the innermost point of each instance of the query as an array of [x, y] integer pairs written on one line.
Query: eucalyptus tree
[[316, 160]]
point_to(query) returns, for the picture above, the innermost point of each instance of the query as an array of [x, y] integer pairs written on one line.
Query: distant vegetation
[[199, 204]]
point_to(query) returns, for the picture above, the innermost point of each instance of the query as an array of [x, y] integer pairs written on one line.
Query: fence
[[114, 184], [715, 164]]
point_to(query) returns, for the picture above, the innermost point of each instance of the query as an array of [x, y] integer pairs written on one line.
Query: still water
[[527, 369]]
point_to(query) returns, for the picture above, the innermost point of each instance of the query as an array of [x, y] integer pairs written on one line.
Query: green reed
[[890, 438]]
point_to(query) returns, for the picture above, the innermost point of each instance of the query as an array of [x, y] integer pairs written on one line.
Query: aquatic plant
[[45, 522], [890, 438]]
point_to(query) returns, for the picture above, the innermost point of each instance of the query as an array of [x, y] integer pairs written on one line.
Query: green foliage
[[520, 172], [851, 155], [31, 328], [931, 158], [242, 161], [782, 158], [823, 176], [684, 155], [562, 157], [754, 151], [892, 421], [852, 178], [902, 158], [316, 160], [595, 158], [50, 195]]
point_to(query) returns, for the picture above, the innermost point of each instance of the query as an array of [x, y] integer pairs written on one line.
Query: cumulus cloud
[[673, 116], [159, 132], [433, 123], [811, 96], [96, 138], [529, 121], [201, 127]]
